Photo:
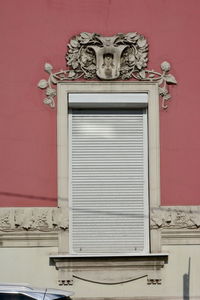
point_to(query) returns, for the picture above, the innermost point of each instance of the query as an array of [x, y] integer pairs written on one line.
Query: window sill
[[109, 269]]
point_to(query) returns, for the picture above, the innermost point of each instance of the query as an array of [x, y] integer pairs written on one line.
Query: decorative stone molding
[[109, 270], [122, 56], [32, 219], [180, 236], [175, 217], [172, 219], [28, 239]]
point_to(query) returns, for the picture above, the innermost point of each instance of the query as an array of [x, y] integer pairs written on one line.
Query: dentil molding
[[122, 56]]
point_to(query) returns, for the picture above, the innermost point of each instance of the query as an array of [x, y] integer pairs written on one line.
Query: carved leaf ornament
[[175, 218], [122, 56], [33, 219]]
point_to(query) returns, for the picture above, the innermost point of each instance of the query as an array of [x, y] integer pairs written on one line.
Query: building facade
[[100, 152]]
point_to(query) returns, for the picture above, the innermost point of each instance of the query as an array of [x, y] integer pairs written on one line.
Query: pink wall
[[33, 32]]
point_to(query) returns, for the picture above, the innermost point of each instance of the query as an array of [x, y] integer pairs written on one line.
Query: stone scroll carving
[[32, 219], [122, 56]]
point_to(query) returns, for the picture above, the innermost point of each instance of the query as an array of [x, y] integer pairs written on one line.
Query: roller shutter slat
[[108, 188]]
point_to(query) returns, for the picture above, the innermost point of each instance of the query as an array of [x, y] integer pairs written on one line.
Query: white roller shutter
[[108, 181]]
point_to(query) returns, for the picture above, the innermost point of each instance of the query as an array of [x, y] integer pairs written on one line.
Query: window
[[108, 166]]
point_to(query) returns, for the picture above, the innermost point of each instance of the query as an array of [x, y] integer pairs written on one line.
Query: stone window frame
[[70, 266]]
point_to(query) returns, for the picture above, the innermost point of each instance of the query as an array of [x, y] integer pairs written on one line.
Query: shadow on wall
[[186, 283]]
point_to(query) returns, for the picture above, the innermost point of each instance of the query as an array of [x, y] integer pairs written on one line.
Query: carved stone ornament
[[175, 217], [114, 270], [54, 219], [122, 56], [32, 219]]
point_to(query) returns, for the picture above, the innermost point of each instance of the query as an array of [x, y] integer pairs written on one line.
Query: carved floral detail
[[54, 219], [107, 57], [122, 56], [175, 218], [31, 219], [5, 219]]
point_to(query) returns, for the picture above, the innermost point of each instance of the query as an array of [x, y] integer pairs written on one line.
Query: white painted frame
[[66, 88]]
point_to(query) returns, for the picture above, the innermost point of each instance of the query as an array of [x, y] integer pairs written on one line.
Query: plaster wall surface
[[35, 32], [179, 276], [27, 265]]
